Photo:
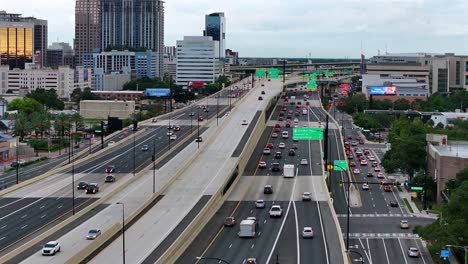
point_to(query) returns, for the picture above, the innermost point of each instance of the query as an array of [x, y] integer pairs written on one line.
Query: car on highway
[[292, 152], [176, 128], [363, 163], [306, 196], [269, 145], [110, 169], [288, 124], [205, 109], [92, 188], [281, 113], [404, 224], [260, 98], [374, 164], [296, 120], [229, 221], [144, 148], [199, 139], [110, 178], [278, 155], [356, 171], [307, 232], [349, 137], [93, 233], [413, 252], [275, 211], [192, 114], [266, 151], [260, 204], [304, 162], [14, 164], [388, 188], [200, 118], [384, 182], [173, 137], [352, 164], [250, 261], [244, 122], [262, 164], [268, 189], [82, 185], [285, 134], [377, 169], [50, 248], [370, 174], [354, 143], [262, 92], [380, 175], [281, 145], [361, 141], [365, 186], [371, 158], [277, 125], [111, 143], [274, 135], [294, 146], [276, 129], [350, 156]]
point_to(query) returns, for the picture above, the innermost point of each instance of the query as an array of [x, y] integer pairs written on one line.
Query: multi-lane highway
[[278, 239], [33, 209]]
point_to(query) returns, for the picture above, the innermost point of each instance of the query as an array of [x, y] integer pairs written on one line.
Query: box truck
[[289, 171], [247, 228]]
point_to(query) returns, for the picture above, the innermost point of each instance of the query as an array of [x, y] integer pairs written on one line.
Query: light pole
[[154, 164], [17, 161], [123, 231], [191, 118], [198, 128], [73, 176], [217, 110], [217, 259], [134, 163], [347, 215]]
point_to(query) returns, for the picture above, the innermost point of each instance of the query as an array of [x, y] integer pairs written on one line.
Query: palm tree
[[41, 122], [62, 127], [22, 126]]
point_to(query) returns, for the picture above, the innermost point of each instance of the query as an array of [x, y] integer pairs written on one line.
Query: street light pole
[[73, 178], [154, 164], [17, 163], [123, 231], [217, 110], [134, 163], [347, 215], [198, 128]]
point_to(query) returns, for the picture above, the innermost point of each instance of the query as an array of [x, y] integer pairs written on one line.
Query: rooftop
[[453, 150]]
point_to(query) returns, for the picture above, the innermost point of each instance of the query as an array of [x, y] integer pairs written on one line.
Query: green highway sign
[[97, 131], [416, 188], [307, 133], [340, 165], [260, 73]]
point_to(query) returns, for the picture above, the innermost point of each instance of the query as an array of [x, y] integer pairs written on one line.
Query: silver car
[[404, 224], [304, 162], [307, 232], [93, 233], [306, 196]]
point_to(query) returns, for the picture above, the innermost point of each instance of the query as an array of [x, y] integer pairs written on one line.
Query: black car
[[263, 84], [393, 204], [14, 164], [292, 152], [82, 185], [110, 178], [92, 188], [278, 155], [268, 189], [110, 169], [269, 80], [199, 139], [263, 92]]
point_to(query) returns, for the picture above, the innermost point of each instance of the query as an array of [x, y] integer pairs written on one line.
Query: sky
[[297, 28]]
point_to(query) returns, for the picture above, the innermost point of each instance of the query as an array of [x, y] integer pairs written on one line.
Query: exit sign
[[416, 188], [97, 131]]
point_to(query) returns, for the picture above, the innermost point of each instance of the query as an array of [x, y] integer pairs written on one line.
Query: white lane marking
[[23, 227], [265, 221], [2, 238], [283, 222], [316, 200], [60, 206], [365, 251], [43, 216], [402, 251], [230, 246], [368, 248], [3, 226], [259, 233], [24, 216], [297, 234], [396, 199], [421, 250], [42, 207], [253, 245], [385, 248]]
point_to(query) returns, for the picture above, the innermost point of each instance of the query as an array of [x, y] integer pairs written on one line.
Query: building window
[[457, 73]]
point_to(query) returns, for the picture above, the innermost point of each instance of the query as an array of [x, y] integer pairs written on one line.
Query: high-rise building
[[60, 54], [133, 24], [215, 27], [87, 27], [22, 40], [197, 60]]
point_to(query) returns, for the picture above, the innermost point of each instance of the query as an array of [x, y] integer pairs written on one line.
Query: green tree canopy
[[79, 95], [47, 97], [24, 105]]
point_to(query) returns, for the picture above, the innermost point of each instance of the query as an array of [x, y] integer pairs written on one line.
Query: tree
[[24, 105], [48, 98], [401, 104], [79, 95], [352, 104], [22, 125], [41, 122], [144, 83]]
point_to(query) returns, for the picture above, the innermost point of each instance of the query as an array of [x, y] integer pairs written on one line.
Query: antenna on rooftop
[[386, 52]]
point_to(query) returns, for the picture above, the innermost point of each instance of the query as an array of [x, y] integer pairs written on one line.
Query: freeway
[[277, 239], [374, 226], [32, 209]]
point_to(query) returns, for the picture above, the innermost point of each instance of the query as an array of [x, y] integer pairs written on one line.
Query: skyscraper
[[87, 27], [21, 38], [133, 24], [215, 26]]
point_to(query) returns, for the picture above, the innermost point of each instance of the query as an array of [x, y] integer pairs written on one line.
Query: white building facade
[[197, 60]]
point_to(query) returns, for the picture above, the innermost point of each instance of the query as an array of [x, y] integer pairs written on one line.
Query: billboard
[[196, 84], [383, 90], [157, 92]]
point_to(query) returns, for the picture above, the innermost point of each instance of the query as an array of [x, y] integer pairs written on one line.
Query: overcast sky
[[295, 28]]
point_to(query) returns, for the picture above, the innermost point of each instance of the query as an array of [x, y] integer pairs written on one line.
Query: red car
[[377, 169], [388, 188], [288, 124], [277, 125], [229, 221], [277, 129], [200, 118], [370, 174], [269, 145], [352, 164], [275, 167], [262, 165], [349, 137]]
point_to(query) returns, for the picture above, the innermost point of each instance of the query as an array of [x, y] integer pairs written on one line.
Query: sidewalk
[[405, 195]]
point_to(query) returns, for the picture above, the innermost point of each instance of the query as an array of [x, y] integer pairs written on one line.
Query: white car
[[111, 143], [173, 137], [244, 122], [306, 196], [304, 162], [276, 211], [413, 252], [266, 151], [356, 171], [371, 158], [282, 145], [169, 133], [307, 232], [21, 161], [404, 224], [285, 134], [93, 233], [365, 186], [380, 175], [50, 248]]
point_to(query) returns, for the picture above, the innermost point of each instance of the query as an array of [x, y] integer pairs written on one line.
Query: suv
[[50, 248], [92, 188], [82, 186], [413, 252], [276, 211], [110, 178], [268, 189]]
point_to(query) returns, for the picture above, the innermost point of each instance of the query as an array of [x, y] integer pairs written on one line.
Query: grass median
[[408, 205]]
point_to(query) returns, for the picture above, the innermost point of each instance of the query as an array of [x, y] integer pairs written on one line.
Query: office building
[[60, 54], [215, 27], [445, 159], [114, 68], [22, 40], [197, 60], [87, 27], [232, 57], [64, 80], [133, 24], [170, 61], [404, 88]]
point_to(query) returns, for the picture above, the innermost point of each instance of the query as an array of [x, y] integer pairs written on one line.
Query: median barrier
[[57, 169], [98, 242]]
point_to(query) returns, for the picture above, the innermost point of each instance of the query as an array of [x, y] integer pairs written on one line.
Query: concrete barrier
[[98, 242], [58, 169]]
